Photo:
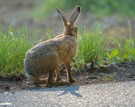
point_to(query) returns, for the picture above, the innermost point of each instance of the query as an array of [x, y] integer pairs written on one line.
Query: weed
[[91, 46]]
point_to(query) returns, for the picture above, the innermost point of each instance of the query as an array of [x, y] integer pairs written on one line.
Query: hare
[[47, 56]]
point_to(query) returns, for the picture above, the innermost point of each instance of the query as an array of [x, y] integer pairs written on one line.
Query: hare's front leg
[[69, 76]]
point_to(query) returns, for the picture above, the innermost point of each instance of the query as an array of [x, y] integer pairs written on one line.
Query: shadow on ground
[[64, 90]]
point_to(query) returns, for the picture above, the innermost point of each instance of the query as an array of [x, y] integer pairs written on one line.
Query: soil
[[112, 73]]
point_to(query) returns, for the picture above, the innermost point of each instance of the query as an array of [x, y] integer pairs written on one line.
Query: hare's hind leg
[[34, 80]]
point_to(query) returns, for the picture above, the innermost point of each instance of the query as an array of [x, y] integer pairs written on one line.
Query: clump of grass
[[13, 45], [124, 48], [94, 47], [122, 52], [91, 46]]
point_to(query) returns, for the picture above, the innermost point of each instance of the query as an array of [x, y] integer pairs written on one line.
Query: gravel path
[[121, 94]]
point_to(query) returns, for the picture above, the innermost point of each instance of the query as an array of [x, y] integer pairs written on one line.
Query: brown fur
[[46, 56]]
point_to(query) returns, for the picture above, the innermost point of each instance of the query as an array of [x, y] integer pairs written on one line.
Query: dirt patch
[[113, 73]]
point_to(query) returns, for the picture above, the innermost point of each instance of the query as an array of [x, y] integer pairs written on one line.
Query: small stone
[[88, 66]]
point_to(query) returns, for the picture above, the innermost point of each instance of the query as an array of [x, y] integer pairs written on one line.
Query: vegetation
[[106, 7], [13, 45], [92, 45], [96, 7]]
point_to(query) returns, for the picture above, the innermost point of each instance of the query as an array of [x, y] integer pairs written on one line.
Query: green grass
[[92, 46], [13, 45]]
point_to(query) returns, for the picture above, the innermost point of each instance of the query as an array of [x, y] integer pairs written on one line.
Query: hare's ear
[[63, 17], [75, 14]]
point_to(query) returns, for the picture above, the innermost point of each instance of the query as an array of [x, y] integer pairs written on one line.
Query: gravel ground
[[120, 94]]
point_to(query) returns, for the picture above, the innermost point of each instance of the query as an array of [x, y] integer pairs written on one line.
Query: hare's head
[[70, 27]]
